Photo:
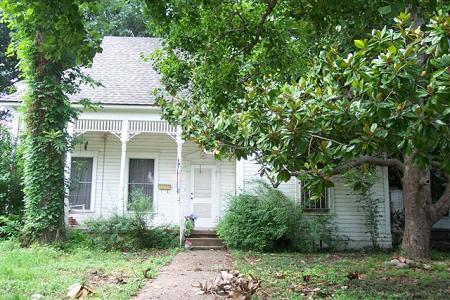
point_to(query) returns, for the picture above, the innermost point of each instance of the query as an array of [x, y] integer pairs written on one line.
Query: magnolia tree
[[385, 104]]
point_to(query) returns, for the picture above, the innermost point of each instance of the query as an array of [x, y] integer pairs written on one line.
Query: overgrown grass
[[300, 276], [49, 271]]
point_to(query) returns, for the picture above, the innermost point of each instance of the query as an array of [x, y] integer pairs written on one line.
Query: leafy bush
[[258, 221], [130, 231], [314, 233], [162, 237], [11, 172], [9, 227], [268, 220]]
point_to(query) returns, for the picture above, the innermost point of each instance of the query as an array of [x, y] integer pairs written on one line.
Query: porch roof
[[126, 78]]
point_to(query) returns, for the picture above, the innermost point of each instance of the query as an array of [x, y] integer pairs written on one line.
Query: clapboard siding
[[107, 148], [348, 215]]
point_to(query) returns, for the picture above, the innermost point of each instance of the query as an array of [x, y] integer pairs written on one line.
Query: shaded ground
[[303, 276], [175, 280]]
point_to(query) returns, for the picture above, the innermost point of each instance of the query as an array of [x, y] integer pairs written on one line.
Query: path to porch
[[175, 281]]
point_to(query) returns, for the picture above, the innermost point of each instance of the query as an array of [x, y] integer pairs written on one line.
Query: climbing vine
[[362, 180], [52, 44]]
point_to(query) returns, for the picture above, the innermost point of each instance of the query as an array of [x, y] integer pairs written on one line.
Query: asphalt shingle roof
[[125, 77]]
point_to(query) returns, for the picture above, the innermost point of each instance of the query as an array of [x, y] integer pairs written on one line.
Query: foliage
[[10, 227], [227, 45], [283, 274], [189, 226], [8, 71], [52, 44], [119, 18], [257, 221], [162, 237], [122, 231], [385, 103], [11, 172], [317, 232], [49, 271], [129, 231], [362, 180]]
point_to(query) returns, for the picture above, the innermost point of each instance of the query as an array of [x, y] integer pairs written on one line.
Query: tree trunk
[[44, 190], [417, 197]]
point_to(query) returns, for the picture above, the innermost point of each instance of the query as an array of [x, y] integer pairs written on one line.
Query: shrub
[[9, 227], [258, 221], [315, 233], [11, 172], [130, 231], [268, 220], [162, 237]]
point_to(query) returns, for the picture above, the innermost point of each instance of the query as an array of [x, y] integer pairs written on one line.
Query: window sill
[[312, 211], [81, 211]]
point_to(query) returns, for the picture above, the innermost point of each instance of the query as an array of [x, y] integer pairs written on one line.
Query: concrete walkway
[[175, 280]]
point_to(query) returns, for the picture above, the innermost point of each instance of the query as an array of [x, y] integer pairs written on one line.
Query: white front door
[[203, 195]]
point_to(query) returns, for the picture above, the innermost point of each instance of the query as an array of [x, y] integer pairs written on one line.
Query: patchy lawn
[[49, 271], [301, 276]]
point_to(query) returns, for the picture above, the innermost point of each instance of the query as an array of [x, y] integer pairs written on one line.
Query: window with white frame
[[141, 178], [81, 180], [321, 204]]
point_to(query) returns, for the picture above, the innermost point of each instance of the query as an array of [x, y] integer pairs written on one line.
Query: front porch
[[179, 177]]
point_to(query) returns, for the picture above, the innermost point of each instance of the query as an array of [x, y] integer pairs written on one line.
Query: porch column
[[67, 169], [180, 142], [122, 185]]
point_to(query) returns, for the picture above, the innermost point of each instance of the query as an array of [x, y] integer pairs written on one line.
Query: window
[[318, 205], [141, 177], [80, 191]]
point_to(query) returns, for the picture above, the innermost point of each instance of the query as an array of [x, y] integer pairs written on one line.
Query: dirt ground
[[175, 280]]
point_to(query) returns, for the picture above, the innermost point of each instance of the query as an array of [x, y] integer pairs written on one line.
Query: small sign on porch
[[165, 187]]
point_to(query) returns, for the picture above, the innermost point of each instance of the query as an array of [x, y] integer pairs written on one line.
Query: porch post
[[122, 186], [180, 142], [67, 169]]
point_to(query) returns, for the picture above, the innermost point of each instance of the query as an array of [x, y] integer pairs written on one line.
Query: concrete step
[[203, 234], [208, 248], [205, 241]]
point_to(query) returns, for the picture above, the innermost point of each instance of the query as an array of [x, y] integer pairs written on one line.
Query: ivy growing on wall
[[52, 45], [362, 180]]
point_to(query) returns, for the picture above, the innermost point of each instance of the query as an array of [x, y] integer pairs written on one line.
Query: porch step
[[208, 248], [203, 234], [205, 241]]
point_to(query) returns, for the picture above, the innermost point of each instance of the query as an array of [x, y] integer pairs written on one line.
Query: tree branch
[[270, 6], [390, 162]]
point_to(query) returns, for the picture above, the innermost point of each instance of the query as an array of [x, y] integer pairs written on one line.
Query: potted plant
[[189, 225]]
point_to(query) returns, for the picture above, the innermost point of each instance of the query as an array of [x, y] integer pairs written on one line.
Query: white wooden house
[[125, 144]]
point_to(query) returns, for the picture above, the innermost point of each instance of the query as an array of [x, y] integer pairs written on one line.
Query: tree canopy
[[8, 70], [300, 87], [118, 18]]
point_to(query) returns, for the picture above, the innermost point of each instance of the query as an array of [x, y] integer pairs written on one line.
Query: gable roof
[[126, 78]]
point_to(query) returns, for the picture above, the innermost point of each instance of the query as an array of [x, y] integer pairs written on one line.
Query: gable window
[[315, 205], [80, 191], [141, 178]]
